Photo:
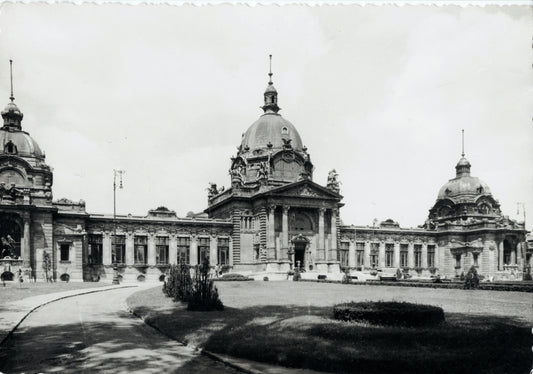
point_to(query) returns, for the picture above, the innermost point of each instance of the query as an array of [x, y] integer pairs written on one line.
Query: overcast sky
[[378, 93]]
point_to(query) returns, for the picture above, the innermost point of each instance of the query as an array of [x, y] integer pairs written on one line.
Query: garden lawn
[[290, 324], [13, 291]]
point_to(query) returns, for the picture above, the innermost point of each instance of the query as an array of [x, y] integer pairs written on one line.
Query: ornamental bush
[[471, 279], [178, 283], [204, 296], [389, 313], [233, 277], [297, 276]]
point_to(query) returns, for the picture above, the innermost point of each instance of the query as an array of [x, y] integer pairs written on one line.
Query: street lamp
[[115, 267]]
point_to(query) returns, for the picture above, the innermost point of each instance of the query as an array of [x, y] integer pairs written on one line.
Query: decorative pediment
[[305, 189]]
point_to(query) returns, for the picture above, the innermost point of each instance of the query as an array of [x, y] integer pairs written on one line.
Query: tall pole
[[114, 243]]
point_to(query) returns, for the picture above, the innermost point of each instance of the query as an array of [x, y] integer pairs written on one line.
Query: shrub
[[462, 276], [204, 295], [233, 277], [178, 283], [471, 279], [265, 279], [398, 274], [322, 277], [346, 278], [389, 313], [297, 276]]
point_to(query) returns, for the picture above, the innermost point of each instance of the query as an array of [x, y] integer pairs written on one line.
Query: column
[[351, 254], [424, 255], [129, 249], [367, 255], [285, 232], [213, 250], [437, 255], [333, 245], [230, 260], [321, 249], [513, 256], [193, 253], [172, 249], [25, 248], [271, 243], [500, 255], [396, 256], [151, 249], [381, 255], [410, 255], [106, 248], [519, 258]]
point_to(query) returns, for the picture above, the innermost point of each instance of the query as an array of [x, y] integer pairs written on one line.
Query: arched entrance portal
[[10, 236], [299, 246]]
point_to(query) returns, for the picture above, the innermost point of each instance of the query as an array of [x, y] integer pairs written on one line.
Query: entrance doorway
[[299, 255]]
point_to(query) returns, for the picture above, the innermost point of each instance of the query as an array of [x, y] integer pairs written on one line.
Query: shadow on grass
[[93, 347], [307, 337]]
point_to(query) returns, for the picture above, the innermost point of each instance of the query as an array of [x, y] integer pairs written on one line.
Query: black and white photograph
[[266, 187]]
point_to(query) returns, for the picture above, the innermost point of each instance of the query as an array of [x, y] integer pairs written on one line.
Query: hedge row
[[451, 285], [389, 313], [233, 278]]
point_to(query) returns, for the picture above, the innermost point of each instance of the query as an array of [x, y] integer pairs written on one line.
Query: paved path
[[95, 333]]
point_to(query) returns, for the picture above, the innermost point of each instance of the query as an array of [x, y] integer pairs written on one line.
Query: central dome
[[271, 130], [463, 185]]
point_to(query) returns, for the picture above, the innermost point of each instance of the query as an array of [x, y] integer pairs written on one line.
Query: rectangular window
[[374, 254], [64, 252], [95, 250], [342, 253], [118, 252], [389, 254], [161, 250], [431, 256], [457, 261], [184, 245], [404, 253], [475, 259], [140, 250], [360, 254], [203, 250], [223, 251], [418, 255]]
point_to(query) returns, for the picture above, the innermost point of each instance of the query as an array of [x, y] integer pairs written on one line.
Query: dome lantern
[[271, 95]]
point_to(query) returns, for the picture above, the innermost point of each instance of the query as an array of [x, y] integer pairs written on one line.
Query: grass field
[[13, 291], [290, 324]]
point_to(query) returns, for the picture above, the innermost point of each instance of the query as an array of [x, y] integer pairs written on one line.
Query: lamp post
[[115, 266]]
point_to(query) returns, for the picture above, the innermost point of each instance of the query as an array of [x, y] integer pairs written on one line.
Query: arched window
[[10, 148], [284, 131]]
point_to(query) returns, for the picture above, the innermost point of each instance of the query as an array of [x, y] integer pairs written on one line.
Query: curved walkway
[[92, 332]]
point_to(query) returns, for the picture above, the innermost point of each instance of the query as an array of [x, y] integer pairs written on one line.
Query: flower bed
[[389, 313]]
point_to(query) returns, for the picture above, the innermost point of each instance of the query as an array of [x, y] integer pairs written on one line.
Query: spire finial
[[12, 98], [463, 142], [270, 71]]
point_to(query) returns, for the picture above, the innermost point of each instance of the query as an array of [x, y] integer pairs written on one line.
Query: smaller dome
[[270, 88], [24, 143], [270, 130], [11, 108], [463, 162]]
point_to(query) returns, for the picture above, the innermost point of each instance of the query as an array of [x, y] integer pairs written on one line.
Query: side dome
[[20, 143], [271, 130]]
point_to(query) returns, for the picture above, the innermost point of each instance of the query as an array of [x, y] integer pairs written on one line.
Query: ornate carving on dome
[[484, 208], [333, 183], [286, 142]]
